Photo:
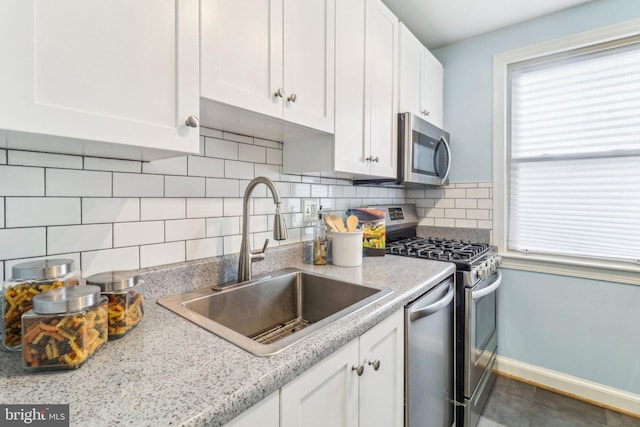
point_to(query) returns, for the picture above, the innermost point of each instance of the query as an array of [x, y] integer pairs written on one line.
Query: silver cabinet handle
[[279, 93], [425, 112], [376, 159], [475, 295], [192, 122], [433, 308], [292, 97], [375, 364], [359, 369]]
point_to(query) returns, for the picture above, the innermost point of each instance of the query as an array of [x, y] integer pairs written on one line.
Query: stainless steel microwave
[[424, 154]]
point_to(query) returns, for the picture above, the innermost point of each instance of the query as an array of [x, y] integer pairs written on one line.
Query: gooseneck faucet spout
[[247, 256]]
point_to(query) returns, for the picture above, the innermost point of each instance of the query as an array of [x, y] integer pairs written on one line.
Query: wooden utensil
[[330, 224], [352, 223], [338, 223]]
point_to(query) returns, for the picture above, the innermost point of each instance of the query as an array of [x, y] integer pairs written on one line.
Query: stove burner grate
[[437, 249]]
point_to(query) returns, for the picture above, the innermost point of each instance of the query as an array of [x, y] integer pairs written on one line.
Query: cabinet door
[[326, 395], [309, 36], [431, 93], [410, 74], [241, 48], [381, 93], [382, 390], [265, 413], [350, 148], [117, 71]]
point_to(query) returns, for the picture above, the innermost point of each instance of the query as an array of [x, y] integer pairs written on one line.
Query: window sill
[[610, 271]]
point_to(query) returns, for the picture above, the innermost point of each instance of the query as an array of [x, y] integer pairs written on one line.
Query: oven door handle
[[433, 308], [488, 289]]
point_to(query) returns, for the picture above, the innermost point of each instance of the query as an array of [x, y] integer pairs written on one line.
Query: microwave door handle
[[448, 148], [487, 290], [433, 308]]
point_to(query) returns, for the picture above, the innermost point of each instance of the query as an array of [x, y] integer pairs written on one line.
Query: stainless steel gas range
[[475, 333]]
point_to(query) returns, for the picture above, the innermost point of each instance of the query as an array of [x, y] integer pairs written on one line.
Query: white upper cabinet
[[421, 79], [119, 72], [366, 97], [273, 57]]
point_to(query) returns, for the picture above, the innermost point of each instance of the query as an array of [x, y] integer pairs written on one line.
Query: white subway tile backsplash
[[258, 223], [362, 192], [445, 222], [154, 209], [164, 253], [206, 166], [185, 229], [466, 185], [78, 183], [31, 158], [259, 190], [112, 165], [232, 207], [217, 187], [290, 178], [425, 203], [137, 185], [184, 186], [238, 138], [288, 205], [478, 193], [319, 190], [3, 161], [38, 211], [415, 193], [79, 238], [31, 181], [138, 233], [274, 156], [238, 170], [445, 203], [300, 190], [252, 153], [96, 210], [466, 203], [22, 242], [1, 216], [435, 213], [434, 194], [171, 166], [204, 248], [211, 133], [204, 207], [270, 171], [478, 214], [224, 226], [487, 225], [455, 193], [232, 244], [94, 262], [466, 223], [267, 143], [349, 192], [221, 149], [485, 203]]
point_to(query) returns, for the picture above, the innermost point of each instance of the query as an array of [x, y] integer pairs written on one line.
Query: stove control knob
[[498, 260], [482, 271]]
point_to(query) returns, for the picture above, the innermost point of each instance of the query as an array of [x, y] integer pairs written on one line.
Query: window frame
[[607, 270]]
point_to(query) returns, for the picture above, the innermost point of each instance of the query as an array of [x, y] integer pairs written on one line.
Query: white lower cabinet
[[263, 414], [333, 394]]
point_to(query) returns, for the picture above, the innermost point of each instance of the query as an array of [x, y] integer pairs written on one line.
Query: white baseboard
[[599, 394]]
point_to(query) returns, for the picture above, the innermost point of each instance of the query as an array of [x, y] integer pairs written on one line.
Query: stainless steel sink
[[267, 315]]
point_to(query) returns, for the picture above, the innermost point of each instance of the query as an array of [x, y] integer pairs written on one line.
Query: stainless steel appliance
[[429, 358], [424, 154], [475, 300]]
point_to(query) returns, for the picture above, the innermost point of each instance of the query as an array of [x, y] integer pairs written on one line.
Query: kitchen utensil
[[352, 223], [339, 223], [330, 224]]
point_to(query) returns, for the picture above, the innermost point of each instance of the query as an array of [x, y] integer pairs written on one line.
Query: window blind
[[574, 154]]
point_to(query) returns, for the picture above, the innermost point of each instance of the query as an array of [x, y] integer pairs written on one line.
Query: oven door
[[481, 330]]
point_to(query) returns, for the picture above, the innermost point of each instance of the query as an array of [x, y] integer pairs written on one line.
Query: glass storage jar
[[65, 327], [126, 299], [29, 279]]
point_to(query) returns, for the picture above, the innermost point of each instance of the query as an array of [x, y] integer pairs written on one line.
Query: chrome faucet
[[247, 256]]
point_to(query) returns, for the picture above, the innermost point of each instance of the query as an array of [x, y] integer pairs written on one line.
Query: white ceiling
[[438, 23]]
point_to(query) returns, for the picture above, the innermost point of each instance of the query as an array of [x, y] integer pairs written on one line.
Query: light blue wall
[[468, 78], [585, 328], [588, 329]]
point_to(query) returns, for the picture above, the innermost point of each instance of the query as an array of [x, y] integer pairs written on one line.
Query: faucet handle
[[258, 254]]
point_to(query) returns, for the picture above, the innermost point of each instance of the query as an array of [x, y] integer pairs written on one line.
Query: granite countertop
[[168, 371]]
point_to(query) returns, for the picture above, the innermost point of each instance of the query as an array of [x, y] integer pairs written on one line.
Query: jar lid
[[42, 269], [66, 299], [113, 281]]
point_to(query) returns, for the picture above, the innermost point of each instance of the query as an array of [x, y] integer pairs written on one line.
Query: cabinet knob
[[375, 364], [359, 369], [279, 93], [192, 122], [292, 97], [425, 112], [376, 159]]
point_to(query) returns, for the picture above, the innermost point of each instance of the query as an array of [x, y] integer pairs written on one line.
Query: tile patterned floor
[[516, 404]]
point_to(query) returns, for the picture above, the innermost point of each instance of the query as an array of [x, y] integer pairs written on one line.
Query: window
[[568, 153]]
